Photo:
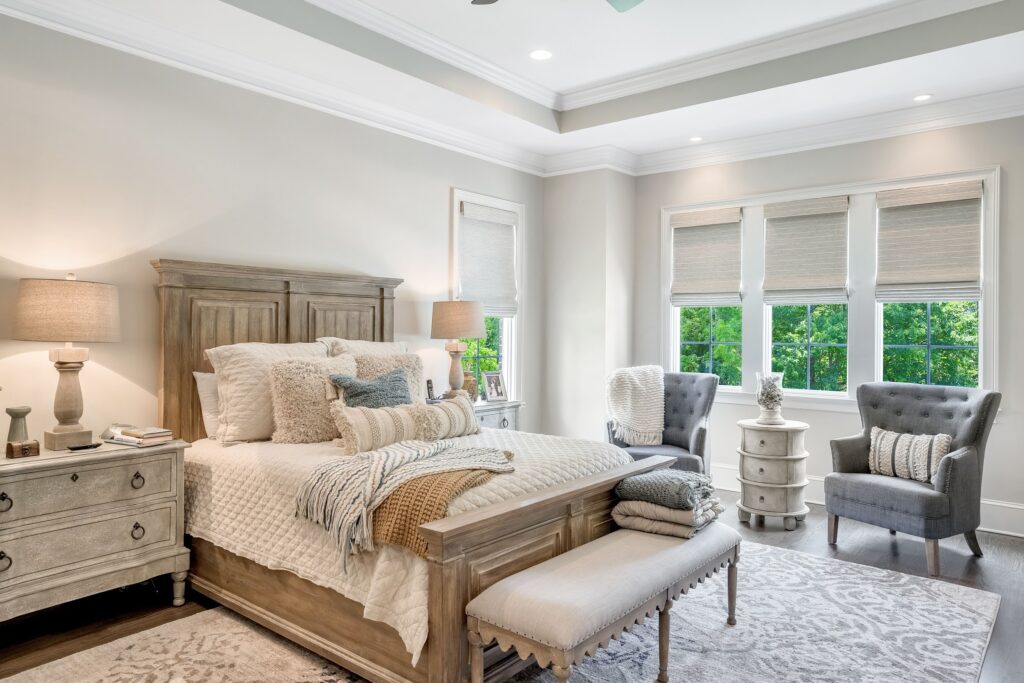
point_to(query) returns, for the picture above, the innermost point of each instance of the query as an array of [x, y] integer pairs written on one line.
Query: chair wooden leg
[[833, 528], [892, 532], [931, 546], [972, 542], [732, 594], [664, 632]]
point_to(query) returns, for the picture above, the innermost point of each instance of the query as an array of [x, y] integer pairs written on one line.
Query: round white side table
[[773, 471]]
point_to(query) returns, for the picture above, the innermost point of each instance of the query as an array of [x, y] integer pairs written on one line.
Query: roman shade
[[929, 243], [706, 257], [805, 260], [486, 259]]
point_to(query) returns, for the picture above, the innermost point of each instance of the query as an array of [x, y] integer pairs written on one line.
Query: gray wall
[[109, 160], [955, 149]]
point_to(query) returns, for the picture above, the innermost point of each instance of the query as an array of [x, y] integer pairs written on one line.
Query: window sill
[[805, 400]]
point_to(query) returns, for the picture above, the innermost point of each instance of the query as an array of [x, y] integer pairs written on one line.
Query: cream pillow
[[450, 418], [302, 392], [372, 367], [360, 347], [243, 383], [206, 387], [907, 456], [367, 429]]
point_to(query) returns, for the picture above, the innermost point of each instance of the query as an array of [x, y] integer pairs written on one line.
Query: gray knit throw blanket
[[671, 488], [341, 495]]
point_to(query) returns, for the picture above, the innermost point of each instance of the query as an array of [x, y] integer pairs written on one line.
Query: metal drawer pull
[[138, 481], [74, 477], [762, 442], [760, 470], [138, 531], [504, 423], [760, 499], [5, 561], [6, 502]]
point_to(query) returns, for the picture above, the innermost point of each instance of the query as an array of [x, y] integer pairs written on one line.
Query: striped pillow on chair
[[908, 456]]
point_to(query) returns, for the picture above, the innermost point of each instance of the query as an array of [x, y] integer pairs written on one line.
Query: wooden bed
[[203, 305]]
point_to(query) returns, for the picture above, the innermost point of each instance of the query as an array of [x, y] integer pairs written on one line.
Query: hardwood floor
[[35, 639]]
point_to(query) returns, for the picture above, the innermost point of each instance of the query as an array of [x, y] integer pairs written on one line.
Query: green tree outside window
[[809, 346], [711, 340], [484, 354], [931, 343]]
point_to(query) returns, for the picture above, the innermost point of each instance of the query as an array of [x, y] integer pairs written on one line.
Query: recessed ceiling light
[[540, 55], [696, 138], [923, 97]]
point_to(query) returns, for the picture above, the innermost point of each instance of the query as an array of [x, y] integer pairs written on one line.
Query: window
[[931, 343], [711, 340], [485, 355], [809, 346]]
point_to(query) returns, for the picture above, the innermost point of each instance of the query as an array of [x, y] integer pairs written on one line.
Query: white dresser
[[76, 524], [498, 414], [773, 471]]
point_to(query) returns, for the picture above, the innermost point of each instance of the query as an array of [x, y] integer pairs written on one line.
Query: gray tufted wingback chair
[[688, 400], [951, 503]]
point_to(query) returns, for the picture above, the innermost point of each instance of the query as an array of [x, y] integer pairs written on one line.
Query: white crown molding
[[988, 107], [597, 158], [822, 34], [392, 27], [120, 31]]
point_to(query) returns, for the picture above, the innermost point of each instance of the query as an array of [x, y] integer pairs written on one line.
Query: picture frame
[[494, 387]]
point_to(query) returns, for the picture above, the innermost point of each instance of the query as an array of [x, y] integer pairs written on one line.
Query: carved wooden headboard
[[204, 305]]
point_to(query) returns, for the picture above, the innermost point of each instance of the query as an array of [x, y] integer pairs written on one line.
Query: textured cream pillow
[[372, 367], [450, 418], [302, 393], [206, 387], [366, 429], [360, 347], [243, 383], [907, 456]]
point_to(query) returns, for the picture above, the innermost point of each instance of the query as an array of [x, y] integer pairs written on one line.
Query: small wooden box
[[22, 449]]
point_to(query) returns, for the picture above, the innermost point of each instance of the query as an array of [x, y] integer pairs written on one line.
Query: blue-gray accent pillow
[[388, 390]]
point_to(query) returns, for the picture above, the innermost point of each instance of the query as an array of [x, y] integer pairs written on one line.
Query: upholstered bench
[[566, 608]]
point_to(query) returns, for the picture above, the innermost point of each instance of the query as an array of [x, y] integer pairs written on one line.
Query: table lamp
[[455, 320], [67, 310]]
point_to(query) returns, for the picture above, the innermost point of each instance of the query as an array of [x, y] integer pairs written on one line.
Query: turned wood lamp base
[[67, 404]]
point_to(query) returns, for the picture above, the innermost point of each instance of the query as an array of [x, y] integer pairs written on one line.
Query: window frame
[[864, 312], [513, 330], [808, 344], [928, 346]]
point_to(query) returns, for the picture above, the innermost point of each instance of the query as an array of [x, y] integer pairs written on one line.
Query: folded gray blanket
[[656, 519], [669, 488]]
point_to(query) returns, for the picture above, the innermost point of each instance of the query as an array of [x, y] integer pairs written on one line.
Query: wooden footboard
[[467, 553]]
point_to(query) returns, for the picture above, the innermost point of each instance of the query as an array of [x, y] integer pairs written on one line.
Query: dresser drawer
[[498, 420], [767, 498], [68, 548], [75, 488], [765, 442], [764, 470]]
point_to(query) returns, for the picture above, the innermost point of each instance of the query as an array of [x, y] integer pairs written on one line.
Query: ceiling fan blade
[[624, 5]]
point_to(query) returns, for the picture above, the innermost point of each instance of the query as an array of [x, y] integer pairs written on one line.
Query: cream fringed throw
[[636, 404], [342, 495]]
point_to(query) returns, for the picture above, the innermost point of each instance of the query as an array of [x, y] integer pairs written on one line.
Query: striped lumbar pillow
[[908, 456]]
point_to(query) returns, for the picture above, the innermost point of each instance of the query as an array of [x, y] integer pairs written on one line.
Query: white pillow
[[243, 382], [303, 393], [209, 401], [359, 347]]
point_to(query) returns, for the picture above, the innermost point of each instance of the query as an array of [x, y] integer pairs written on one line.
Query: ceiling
[[626, 91], [593, 44]]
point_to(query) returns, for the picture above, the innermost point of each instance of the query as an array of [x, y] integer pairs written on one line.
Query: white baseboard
[[997, 516]]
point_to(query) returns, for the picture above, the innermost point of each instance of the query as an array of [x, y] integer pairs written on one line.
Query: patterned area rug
[[801, 618]]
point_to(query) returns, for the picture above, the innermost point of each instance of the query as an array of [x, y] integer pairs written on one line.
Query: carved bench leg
[[178, 588], [664, 633], [476, 657], [732, 594], [562, 673]]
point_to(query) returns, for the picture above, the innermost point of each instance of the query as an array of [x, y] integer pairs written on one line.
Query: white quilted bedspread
[[242, 498]]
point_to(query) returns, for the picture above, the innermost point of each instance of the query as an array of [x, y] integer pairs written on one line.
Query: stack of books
[[138, 436]]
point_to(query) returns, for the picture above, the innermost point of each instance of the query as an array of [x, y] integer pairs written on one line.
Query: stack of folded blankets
[[667, 502]]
